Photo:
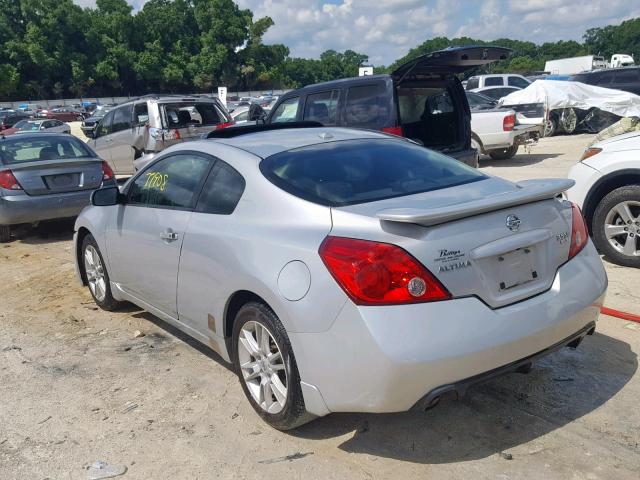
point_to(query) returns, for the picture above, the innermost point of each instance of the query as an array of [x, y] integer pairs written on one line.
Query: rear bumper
[[387, 359], [15, 209]]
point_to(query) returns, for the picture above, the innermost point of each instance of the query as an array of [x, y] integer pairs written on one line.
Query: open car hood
[[450, 60]]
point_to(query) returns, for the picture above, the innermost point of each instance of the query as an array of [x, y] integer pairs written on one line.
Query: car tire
[[504, 153], [79, 118], [569, 120], [550, 127], [263, 379], [5, 233], [610, 217], [94, 270]]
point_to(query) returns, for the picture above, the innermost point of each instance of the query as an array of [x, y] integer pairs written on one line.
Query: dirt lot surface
[[78, 386]]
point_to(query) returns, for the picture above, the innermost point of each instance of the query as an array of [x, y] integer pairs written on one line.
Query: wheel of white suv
[[550, 127], [96, 275], [266, 367], [616, 226]]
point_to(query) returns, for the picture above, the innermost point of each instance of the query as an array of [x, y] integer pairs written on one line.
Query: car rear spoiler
[[527, 191]]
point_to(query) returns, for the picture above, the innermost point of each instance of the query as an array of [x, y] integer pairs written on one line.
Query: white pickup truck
[[495, 131]]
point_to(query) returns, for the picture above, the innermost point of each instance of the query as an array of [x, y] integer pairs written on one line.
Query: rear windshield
[[180, 115], [359, 171], [18, 150]]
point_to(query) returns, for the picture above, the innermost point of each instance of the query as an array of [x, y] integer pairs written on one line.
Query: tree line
[[57, 49]]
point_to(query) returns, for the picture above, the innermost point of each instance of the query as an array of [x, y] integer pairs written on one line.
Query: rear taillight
[[394, 131], [8, 180], [579, 232], [107, 173], [220, 126], [508, 123], [374, 273]]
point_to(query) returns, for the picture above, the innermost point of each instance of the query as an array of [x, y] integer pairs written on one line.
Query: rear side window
[[493, 81], [359, 171], [171, 182], [105, 124], [322, 107], [51, 148], [367, 107], [518, 82], [180, 115], [121, 118], [287, 111], [222, 190]]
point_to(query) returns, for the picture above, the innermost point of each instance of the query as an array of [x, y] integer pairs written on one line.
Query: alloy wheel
[[262, 366], [622, 228], [95, 273]]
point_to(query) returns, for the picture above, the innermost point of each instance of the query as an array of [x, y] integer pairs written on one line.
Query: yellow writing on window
[[156, 180]]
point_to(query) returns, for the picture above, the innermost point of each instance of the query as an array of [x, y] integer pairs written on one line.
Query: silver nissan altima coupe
[[344, 270]]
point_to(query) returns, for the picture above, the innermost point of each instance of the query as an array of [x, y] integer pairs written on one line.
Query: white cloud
[[386, 29]]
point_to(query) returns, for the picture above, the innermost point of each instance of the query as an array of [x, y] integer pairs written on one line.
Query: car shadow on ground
[[520, 160], [170, 329], [44, 232], [494, 417]]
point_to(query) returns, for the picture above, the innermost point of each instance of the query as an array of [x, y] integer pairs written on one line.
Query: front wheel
[[79, 118], [96, 275], [616, 226], [266, 367], [550, 127], [504, 153]]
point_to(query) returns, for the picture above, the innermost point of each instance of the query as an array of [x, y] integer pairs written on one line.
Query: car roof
[[601, 70], [267, 143]]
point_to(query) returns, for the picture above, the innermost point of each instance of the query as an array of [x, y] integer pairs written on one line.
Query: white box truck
[[570, 66]]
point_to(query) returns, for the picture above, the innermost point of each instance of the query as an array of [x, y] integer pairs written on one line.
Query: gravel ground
[[81, 385]]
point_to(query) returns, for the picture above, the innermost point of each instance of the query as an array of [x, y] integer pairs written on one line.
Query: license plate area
[[516, 268], [62, 181]]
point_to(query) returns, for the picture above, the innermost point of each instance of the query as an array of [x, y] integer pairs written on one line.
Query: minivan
[[422, 99], [626, 78], [147, 125]]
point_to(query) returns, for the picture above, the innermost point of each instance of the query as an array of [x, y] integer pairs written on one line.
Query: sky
[[386, 29]]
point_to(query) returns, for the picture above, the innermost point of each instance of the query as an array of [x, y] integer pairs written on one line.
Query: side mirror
[[105, 197]]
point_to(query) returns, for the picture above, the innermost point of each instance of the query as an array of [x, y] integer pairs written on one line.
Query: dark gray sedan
[[45, 176]]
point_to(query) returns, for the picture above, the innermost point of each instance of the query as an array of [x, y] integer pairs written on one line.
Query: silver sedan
[[343, 270]]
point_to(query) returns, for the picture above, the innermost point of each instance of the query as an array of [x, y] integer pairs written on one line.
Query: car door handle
[[169, 235]]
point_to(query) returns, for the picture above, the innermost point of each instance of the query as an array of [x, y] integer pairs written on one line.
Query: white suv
[[608, 191], [497, 80]]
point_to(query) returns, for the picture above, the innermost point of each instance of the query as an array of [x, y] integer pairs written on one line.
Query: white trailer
[[572, 65]]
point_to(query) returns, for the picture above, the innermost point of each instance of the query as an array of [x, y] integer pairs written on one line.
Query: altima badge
[[513, 223]]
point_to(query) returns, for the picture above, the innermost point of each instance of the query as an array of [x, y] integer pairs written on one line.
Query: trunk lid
[[58, 176], [493, 239], [450, 61]]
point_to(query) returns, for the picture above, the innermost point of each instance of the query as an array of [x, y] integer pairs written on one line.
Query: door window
[[287, 111], [141, 114], [367, 107], [172, 182], [473, 82], [105, 124], [222, 190], [493, 81], [518, 82], [629, 76], [322, 107], [121, 118]]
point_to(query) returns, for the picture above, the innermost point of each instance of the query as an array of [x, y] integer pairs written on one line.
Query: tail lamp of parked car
[[509, 122], [107, 172], [374, 273], [220, 126], [394, 131], [8, 180], [579, 232]]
